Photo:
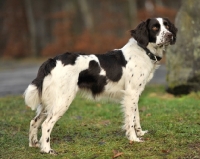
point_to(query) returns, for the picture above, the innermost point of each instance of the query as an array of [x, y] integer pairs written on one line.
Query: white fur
[[32, 97]]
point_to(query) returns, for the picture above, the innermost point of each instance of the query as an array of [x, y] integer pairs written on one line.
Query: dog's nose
[[169, 35]]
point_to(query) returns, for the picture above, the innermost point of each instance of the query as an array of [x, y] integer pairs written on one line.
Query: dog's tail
[[31, 96], [33, 93]]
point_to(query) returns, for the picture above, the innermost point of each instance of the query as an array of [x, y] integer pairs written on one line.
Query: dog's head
[[156, 30]]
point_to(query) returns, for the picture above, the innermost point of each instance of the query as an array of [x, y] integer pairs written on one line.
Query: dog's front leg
[[130, 107], [138, 128]]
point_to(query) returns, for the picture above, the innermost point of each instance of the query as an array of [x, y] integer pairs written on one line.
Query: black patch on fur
[[144, 34], [141, 34], [90, 79], [67, 58], [48, 139], [112, 62], [50, 119], [152, 34], [43, 71]]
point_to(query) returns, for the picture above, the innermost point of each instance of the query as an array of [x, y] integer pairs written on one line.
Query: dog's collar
[[150, 54]]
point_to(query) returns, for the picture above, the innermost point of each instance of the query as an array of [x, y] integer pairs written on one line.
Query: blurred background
[[35, 28], [32, 30]]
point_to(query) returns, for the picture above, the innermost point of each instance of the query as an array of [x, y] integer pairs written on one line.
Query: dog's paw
[[35, 144], [136, 140], [141, 133], [51, 151]]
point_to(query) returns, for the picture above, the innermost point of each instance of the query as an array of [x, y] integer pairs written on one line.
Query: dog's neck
[[152, 55], [151, 47], [156, 50]]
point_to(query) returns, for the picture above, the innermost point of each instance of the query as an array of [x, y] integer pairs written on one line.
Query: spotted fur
[[121, 73]]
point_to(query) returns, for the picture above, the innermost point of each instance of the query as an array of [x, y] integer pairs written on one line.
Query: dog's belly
[[114, 90]]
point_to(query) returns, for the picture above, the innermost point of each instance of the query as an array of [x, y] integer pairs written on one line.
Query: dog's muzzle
[[169, 38]]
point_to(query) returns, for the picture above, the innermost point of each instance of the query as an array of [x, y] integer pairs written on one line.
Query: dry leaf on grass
[[165, 151], [27, 107], [117, 153], [105, 122], [130, 142], [149, 114]]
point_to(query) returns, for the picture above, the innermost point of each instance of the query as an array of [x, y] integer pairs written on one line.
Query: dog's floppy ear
[[173, 30], [141, 34]]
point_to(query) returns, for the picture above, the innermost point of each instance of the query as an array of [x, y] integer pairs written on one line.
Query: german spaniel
[[121, 73]]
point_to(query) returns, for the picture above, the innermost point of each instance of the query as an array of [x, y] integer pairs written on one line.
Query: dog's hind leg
[[60, 106], [34, 125]]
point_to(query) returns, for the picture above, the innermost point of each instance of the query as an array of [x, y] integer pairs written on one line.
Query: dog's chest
[[135, 74]]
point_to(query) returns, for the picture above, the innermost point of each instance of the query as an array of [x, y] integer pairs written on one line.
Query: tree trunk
[[183, 59], [32, 27], [132, 13], [87, 16]]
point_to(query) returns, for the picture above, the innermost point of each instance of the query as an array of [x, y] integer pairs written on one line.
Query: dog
[[121, 73]]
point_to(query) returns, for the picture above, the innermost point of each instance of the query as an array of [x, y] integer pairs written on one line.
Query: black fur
[[91, 80], [112, 62], [151, 33], [141, 34], [67, 58], [43, 71]]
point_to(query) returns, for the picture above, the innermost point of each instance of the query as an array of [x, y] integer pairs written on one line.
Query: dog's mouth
[[166, 42], [167, 39]]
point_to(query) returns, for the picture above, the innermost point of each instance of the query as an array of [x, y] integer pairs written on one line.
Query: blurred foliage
[[48, 27]]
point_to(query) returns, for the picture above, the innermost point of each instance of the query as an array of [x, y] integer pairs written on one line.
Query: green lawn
[[93, 129]]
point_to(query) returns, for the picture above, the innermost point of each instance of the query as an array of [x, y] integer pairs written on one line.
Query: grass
[[93, 130]]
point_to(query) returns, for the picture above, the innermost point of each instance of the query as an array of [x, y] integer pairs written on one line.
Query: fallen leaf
[[147, 139], [105, 122], [117, 154], [149, 114], [165, 151], [27, 107]]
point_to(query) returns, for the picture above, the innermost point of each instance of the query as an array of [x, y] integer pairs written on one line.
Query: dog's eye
[[155, 28], [167, 26]]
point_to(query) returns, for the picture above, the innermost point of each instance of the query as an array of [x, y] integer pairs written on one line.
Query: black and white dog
[[121, 73]]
